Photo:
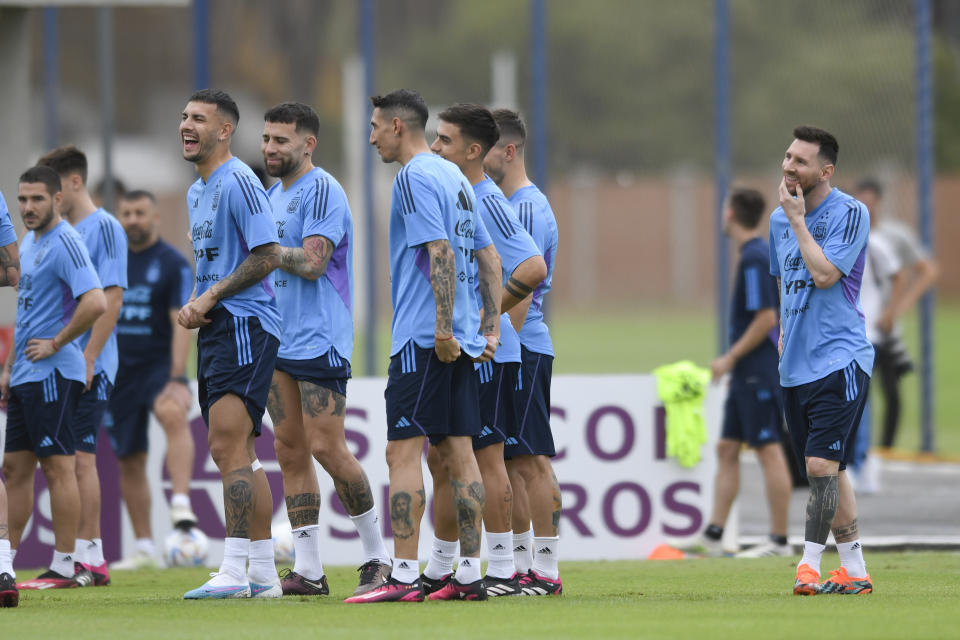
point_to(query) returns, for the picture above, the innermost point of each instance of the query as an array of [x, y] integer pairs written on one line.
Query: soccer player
[[536, 493], [9, 276], [818, 241], [754, 408], [107, 246], [314, 288], [152, 373], [236, 250], [59, 298], [465, 133], [432, 390]]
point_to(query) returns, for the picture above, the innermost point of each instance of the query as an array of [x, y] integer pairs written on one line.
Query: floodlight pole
[[366, 24], [924, 116], [201, 49], [721, 162]]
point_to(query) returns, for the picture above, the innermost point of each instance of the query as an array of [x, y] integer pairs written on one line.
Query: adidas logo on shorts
[[402, 423], [46, 442]]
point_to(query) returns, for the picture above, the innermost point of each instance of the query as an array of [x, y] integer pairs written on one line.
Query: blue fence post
[[51, 77], [721, 160], [201, 45], [368, 50]]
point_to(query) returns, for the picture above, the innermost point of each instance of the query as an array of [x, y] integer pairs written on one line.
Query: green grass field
[[916, 596]]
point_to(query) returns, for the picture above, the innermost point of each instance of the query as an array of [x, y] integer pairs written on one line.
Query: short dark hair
[[42, 174], [828, 144], [475, 122], [748, 206], [118, 187], [66, 160], [136, 194], [406, 104], [225, 104], [297, 113], [510, 124], [870, 184]]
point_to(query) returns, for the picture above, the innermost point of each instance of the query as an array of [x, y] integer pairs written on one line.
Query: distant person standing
[[152, 376], [753, 412], [818, 245], [9, 276], [107, 245], [900, 272]]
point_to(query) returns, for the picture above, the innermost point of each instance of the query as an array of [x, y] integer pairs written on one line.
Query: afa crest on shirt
[[26, 282], [153, 272], [820, 230], [293, 204]]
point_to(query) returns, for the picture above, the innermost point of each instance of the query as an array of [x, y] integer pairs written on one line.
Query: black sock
[[713, 532], [780, 540]]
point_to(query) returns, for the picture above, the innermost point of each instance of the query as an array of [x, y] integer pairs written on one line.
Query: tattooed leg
[[238, 502], [469, 497], [543, 492], [821, 507], [499, 507], [303, 509], [407, 497], [444, 517]]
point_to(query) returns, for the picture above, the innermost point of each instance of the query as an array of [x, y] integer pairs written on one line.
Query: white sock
[[812, 552], [405, 571], [523, 551], [62, 563], [179, 500], [13, 555], [263, 569], [95, 553], [546, 555], [235, 552], [851, 558], [6, 558], [442, 555], [500, 562], [468, 570], [306, 549], [145, 546], [80, 550], [370, 538]]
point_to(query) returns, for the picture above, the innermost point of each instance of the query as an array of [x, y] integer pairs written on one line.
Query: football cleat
[[139, 560], [453, 590], [82, 575], [9, 596], [101, 575], [392, 591], [841, 582], [294, 584], [503, 586], [271, 590], [434, 584], [48, 580], [766, 550], [808, 581], [220, 585], [373, 573], [534, 584]]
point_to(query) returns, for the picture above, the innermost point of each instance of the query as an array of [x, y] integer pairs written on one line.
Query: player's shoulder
[[167, 251], [755, 251]]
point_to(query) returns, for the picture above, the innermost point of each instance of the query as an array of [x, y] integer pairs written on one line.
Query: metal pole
[[105, 24], [51, 76], [201, 50], [924, 115], [368, 50], [538, 60], [721, 161]]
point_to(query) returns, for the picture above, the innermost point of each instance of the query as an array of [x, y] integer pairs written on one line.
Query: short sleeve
[[847, 237], [111, 260], [74, 266], [423, 217], [8, 235], [250, 209], [760, 288], [181, 282], [774, 261], [481, 237], [324, 210], [513, 242]]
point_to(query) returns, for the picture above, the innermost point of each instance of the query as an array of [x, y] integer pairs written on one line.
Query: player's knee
[[86, 463], [817, 467], [57, 469], [728, 450], [226, 453], [169, 413]]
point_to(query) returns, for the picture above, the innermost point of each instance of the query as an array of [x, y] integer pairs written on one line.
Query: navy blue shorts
[[88, 417], [823, 415], [532, 435], [329, 370], [128, 414], [753, 414], [498, 381], [235, 354], [426, 397], [39, 416]]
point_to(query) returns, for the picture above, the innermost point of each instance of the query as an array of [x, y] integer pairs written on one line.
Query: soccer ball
[[186, 547], [282, 542]]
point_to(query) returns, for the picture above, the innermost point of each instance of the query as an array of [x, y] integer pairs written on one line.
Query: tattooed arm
[[257, 266], [523, 281], [9, 265], [489, 273], [443, 279], [309, 262]]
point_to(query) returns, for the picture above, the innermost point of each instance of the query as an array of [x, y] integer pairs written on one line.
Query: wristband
[[181, 379], [436, 339], [53, 341]]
